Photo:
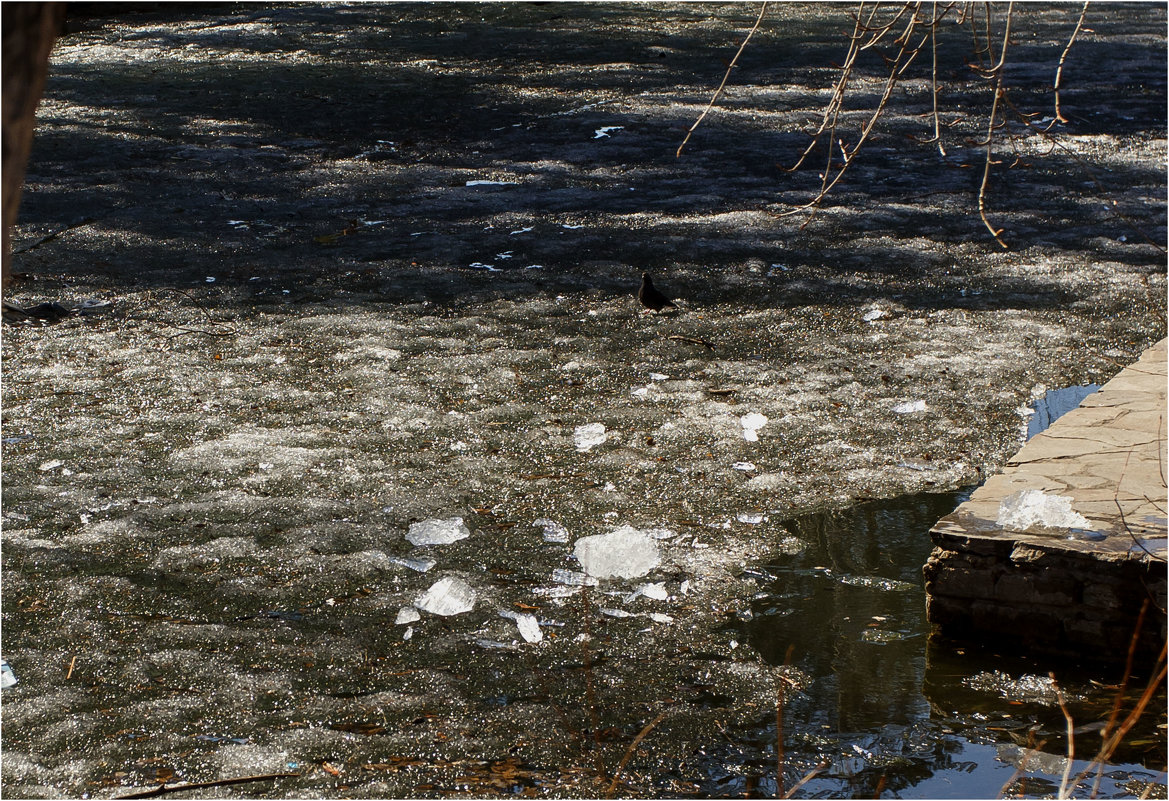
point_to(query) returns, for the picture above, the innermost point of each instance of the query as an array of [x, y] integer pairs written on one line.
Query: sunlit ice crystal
[[589, 436], [448, 596], [553, 531], [751, 424], [625, 553], [1031, 507], [438, 532]]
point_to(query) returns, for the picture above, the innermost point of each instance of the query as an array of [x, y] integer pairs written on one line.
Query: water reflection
[[889, 710]]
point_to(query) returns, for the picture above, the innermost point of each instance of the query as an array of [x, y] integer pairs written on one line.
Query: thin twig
[[718, 91], [998, 91], [1071, 727], [1059, 70], [629, 751], [166, 789], [807, 778]]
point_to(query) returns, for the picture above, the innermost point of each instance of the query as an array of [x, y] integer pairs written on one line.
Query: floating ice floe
[[437, 532], [624, 553], [528, 625], [909, 407], [751, 518], [478, 265], [407, 614], [603, 133], [746, 467], [553, 531], [448, 596], [490, 183], [589, 436], [1021, 510], [872, 314], [641, 392], [751, 424], [658, 377], [520, 231]]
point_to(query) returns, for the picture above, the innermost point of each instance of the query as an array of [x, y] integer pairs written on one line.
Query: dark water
[[895, 714]]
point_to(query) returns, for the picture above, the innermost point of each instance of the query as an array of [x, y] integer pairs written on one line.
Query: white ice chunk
[[603, 133], [589, 436], [624, 553], [658, 377], [438, 532], [658, 617], [873, 313], [616, 613], [641, 392], [491, 183], [746, 467], [53, 465], [528, 625], [478, 265], [655, 591], [553, 531], [448, 596], [407, 614], [751, 518], [7, 676], [751, 424], [1021, 510], [909, 407], [408, 633], [421, 565], [573, 578]]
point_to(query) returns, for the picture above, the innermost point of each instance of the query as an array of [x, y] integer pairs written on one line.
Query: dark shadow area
[[254, 139]]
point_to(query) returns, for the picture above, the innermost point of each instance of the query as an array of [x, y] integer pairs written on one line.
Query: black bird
[[650, 297]]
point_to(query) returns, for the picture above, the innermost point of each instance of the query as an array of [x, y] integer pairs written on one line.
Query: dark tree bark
[[29, 30]]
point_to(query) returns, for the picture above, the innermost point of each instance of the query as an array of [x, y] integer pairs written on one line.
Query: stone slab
[[1108, 456]]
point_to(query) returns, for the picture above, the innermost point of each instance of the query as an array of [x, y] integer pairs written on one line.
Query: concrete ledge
[[1065, 591]]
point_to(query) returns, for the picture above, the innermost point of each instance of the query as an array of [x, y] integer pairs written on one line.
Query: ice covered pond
[[359, 393]]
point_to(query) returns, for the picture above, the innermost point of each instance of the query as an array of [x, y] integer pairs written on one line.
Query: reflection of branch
[[718, 91], [228, 333]]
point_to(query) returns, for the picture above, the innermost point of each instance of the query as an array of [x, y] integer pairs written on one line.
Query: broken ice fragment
[[603, 133], [572, 578], [658, 617], [641, 392], [478, 265], [448, 596], [553, 531], [752, 423], [7, 676], [490, 183], [624, 553], [407, 614], [910, 407], [1021, 510], [616, 613], [655, 591], [750, 518], [528, 625], [873, 313], [437, 532], [53, 465], [658, 377], [421, 565], [589, 435], [746, 467]]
